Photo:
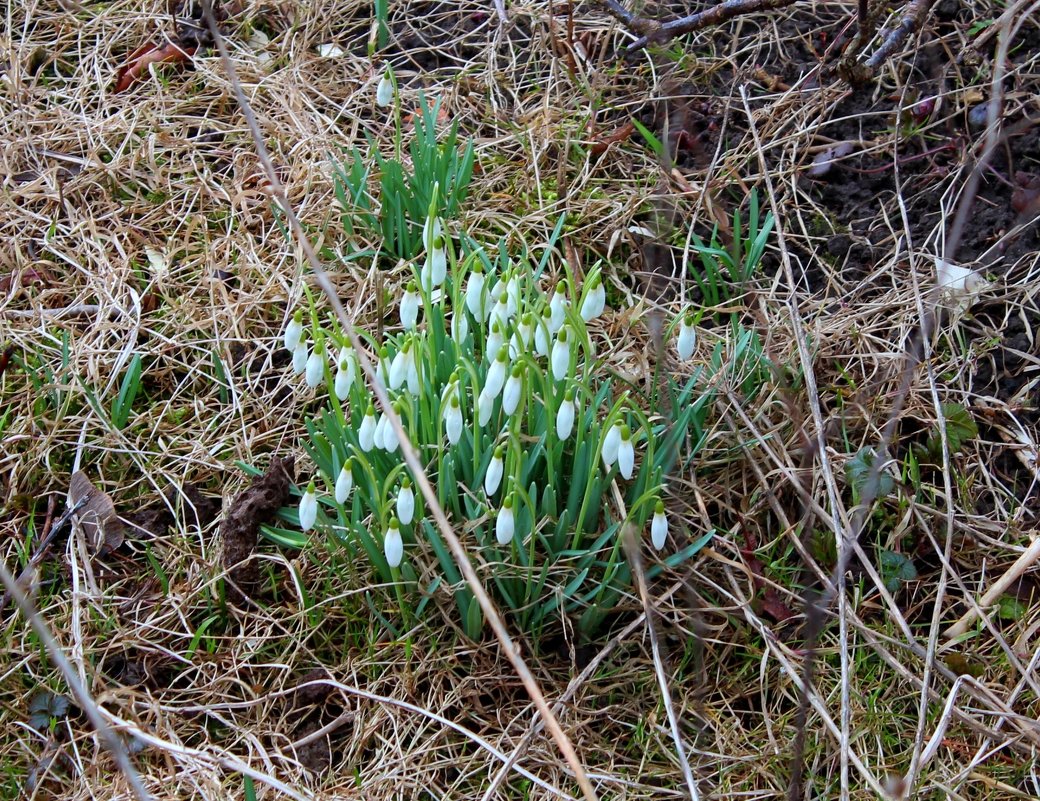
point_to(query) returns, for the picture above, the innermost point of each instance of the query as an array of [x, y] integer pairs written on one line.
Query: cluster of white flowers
[[517, 329]]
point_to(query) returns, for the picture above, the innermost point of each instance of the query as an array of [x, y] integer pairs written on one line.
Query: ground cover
[[147, 278]]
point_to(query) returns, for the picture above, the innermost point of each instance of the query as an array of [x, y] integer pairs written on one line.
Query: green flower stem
[[406, 613]]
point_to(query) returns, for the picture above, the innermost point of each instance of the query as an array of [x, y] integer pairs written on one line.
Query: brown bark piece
[[240, 529]]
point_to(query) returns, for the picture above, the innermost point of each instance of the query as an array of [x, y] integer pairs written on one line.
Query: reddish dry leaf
[[137, 65], [619, 135]]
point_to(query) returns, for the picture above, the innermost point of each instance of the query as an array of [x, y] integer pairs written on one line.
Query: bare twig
[[910, 22], [1026, 560], [511, 648]]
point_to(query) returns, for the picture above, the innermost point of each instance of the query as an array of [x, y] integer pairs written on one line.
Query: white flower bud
[[496, 376], [595, 300], [687, 339], [453, 420], [485, 406], [505, 524], [561, 355], [399, 365], [315, 369], [393, 545], [626, 454], [300, 358], [308, 508], [435, 270], [659, 527], [390, 438], [344, 377], [293, 332], [495, 341], [385, 90], [344, 482], [475, 300], [367, 430], [565, 416], [611, 443], [410, 307], [541, 333], [500, 312], [406, 502], [493, 475], [512, 295], [558, 308], [513, 390]]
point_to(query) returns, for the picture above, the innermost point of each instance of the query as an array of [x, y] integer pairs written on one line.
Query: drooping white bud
[[560, 361], [393, 545], [344, 482], [505, 524], [293, 332], [410, 307], [595, 300], [406, 502], [626, 454], [611, 443], [493, 475], [453, 420], [687, 340], [308, 508], [367, 430], [659, 527], [565, 416], [513, 390]]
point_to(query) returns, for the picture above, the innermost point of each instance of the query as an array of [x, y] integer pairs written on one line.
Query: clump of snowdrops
[[521, 429]]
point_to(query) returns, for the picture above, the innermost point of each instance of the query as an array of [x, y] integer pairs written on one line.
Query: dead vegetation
[[140, 224]]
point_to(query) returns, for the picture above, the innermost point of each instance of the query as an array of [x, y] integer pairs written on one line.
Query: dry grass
[[94, 182]]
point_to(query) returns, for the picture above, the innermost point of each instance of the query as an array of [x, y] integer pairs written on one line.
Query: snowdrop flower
[[495, 341], [513, 293], [453, 420], [659, 527], [513, 390], [475, 301], [558, 308], [500, 312], [541, 332], [432, 228], [521, 338], [393, 546], [485, 406], [385, 89], [626, 453], [496, 376], [459, 326], [412, 370], [344, 482], [560, 361], [367, 431], [399, 365], [300, 358], [406, 502], [383, 368], [345, 373], [435, 268], [611, 444], [595, 300], [493, 475], [293, 332], [380, 431], [410, 307], [565, 416], [390, 438], [505, 524], [498, 291], [315, 369], [687, 340], [308, 508]]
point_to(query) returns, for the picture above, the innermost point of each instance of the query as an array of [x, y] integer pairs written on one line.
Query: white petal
[[494, 343], [405, 505], [687, 341], [493, 476], [453, 423], [344, 484], [565, 420], [308, 510], [475, 294], [315, 369], [293, 334], [409, 310], [558, 309], [511, 394], [343, 381], [505, 526], [659, 530], [626, 457], [437, 260], [367, 433], [330, 50], [299, 358], [390, 438], [561, 359], [393, 547], [611, 443], [431, 230], [485, 405], [399, 368], [384, 92], [496, 378]]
